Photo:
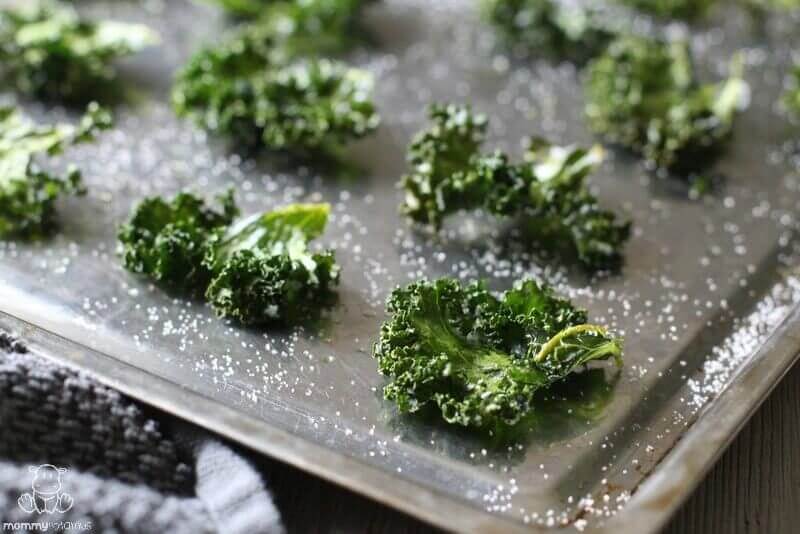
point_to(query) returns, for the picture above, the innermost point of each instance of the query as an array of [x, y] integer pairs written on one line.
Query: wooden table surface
[[754, 488]]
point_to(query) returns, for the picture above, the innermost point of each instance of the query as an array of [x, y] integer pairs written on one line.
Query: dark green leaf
[[643, 94], [571, 30], [548, 190], [681, 9], [266, 85], [259, 270], [792, 96], [437, 351]]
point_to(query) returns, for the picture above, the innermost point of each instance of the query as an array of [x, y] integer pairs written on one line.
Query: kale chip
[[315, 26], [680, 9], [772, 5], [258, 270], [643, 94], [47, 51], [547, 190], [267, 85], [264, 270], [169, 240], [305, 27], [27, 192], [244, 8], [569, 30], [479, 359], [791, 98], [308, 106]]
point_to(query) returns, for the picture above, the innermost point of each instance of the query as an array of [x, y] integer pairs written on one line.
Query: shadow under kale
[[566, 410], [337, 164]]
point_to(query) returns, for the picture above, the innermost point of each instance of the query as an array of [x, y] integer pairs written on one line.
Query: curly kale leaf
[[251, 89], [303, 27], [642, 94], [169, 240], [562, 29], [255, 271], [480, 359], [314, 27], [561, 208], [547, 190], [48, 51], [441, 158], [680, 9], [300, 28], [27, 192], [792, 96], [264, 270]]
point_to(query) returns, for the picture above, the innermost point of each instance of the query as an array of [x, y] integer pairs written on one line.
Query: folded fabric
[[73, 450]]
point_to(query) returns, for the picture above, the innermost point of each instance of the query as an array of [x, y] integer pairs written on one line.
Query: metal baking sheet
[[707, 300]]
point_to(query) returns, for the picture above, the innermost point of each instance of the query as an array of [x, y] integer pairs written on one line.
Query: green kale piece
[[442, 158], [27, 192], [792, 96], [561, 209], [772, 5], [264, 88], [480, 359], [312, 105], [244, 8], [46, 50], [642, 94], [548, 190], [256, 271], [303, 26], [680, 9], [264, 270], [562, 29], [168, 240]]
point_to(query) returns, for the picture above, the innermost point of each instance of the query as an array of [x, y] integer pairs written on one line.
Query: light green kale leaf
[[27, 192], [48, 51], [643, 94]]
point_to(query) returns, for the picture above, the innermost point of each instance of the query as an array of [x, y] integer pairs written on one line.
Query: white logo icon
[[46, 496]]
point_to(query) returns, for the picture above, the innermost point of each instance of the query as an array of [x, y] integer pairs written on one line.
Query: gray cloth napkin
[[82, 456]]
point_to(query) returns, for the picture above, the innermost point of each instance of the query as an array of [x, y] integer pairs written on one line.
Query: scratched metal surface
[[705, 284]]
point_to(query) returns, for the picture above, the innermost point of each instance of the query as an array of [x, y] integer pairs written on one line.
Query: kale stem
[[554, 341]]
